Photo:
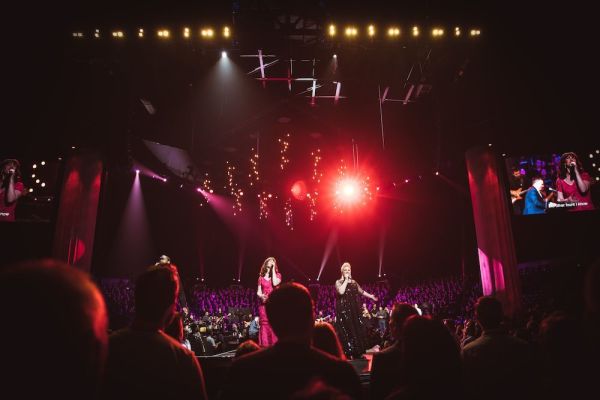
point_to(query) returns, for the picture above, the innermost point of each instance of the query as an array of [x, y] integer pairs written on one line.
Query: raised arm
[[276, 278], [364, 293]]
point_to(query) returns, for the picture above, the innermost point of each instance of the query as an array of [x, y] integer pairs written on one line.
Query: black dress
[[349, 324]]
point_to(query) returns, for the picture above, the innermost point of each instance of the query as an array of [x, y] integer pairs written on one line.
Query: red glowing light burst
[[353, 194], [348, 191], [299, 190]]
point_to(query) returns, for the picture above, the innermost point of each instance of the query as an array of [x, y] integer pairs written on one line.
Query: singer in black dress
[[350, 327]]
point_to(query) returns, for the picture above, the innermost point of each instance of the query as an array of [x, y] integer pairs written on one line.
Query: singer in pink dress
[[573, 183], [269, 278]]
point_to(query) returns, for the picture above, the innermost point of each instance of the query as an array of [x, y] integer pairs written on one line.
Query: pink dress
[[7, 210], [572, 190], [266, 336]]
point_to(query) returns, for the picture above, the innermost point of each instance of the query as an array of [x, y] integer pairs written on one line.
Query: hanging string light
[[263, 205], [289, 215], [285, 144], [316, 175], [207, 184], [312, 204], [254, 175], [316, 179], [234, 190]]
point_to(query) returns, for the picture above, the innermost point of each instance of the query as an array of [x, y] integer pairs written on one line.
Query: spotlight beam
[[331, 242]]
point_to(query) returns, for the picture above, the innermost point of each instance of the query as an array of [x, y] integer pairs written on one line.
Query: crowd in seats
[[448, 298], [546, 353]]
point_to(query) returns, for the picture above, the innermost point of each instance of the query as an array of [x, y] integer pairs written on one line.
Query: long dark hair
[[17, 175], [562, 171]]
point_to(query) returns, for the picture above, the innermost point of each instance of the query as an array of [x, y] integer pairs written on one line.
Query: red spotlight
[[299, 190], [348, 191]]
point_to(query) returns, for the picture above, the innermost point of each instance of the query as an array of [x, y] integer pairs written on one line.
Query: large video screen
[[28, 189], [554, 183]]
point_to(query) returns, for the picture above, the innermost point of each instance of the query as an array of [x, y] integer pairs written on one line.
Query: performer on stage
[[165, 260], [348, 313], [573, 183], [517, 187], [534, 199], [11, 188], [268, 279]]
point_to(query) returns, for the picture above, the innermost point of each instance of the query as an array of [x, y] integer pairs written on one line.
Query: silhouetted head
[[290, 312], [249, 346], [431, 353], [326, 339], [155, 294], [488, 312], [54, 337], [400, 314]]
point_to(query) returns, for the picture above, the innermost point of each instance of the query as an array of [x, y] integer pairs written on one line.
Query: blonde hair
[[344, 265]]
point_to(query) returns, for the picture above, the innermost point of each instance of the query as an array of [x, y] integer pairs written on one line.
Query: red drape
[[78, 209], [492, 216]]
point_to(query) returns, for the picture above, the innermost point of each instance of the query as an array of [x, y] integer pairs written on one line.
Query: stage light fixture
[[393, 31], [207, 33], [37, 181], [351, 31], [164, 33], [78, 34], [43, 163], [335, 56], [30, 190], [97, 33], [475, 32], [223, 54], [118, 34], [415, 31], [437, 173], [137, 171], [34, 166], [226, 32], [33, 175], [456, 31], [140, 32], [332, 30], [371, 30], [186, 32], [43, 184], [437, 32]]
